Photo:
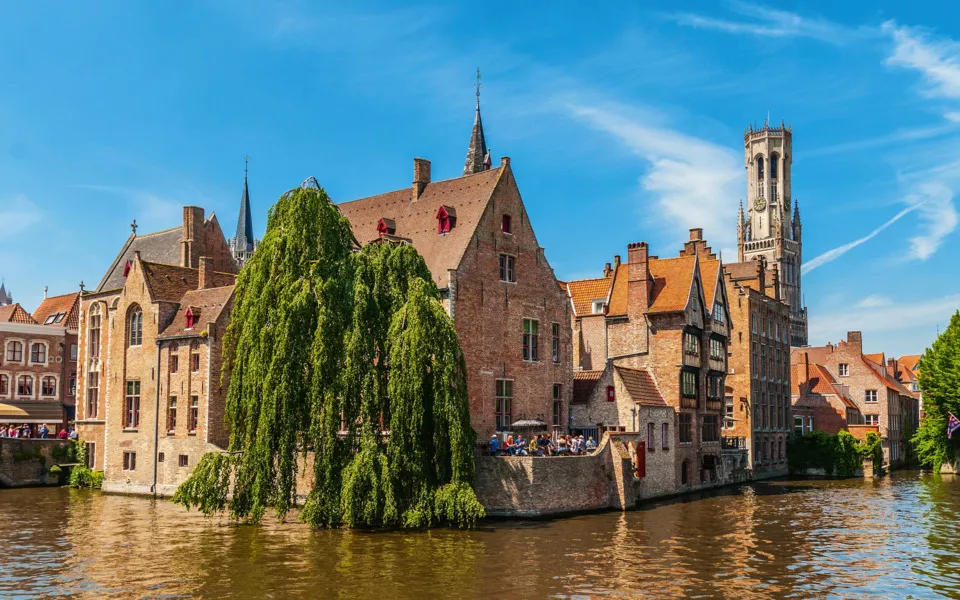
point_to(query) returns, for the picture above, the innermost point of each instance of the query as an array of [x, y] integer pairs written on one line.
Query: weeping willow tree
[[349, 358]]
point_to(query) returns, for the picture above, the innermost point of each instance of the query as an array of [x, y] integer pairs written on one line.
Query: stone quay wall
[[25, 462]]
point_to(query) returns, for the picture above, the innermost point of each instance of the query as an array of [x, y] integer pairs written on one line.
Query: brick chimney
[[805, 361], [893, 369], [421, 176], [775, 281], [639, 282], [191, 237], [855, 339], [205, 280]]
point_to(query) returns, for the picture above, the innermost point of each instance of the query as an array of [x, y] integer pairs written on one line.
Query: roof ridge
[[407, 189]]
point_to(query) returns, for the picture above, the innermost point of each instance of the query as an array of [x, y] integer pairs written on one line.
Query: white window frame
[[598, 305], [56, 385], [867, 394], [33, 386], [24, 351], [843, 369]]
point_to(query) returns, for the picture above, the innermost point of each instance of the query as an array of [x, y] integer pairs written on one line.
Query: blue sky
[[624, 122]]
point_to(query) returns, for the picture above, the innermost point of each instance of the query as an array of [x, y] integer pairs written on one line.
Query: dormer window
[[505, 224], [446, 218], [192, 315], [386, 226], [598, 306]]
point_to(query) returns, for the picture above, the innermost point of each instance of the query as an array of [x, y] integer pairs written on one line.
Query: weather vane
[[133, 226], [478, 85], [246, 165]]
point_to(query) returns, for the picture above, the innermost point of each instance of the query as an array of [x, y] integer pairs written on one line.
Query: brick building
[[873, 387], [819, 402], [757, 398], [510, 313], [38, 362], [650, 345], [150, 346]]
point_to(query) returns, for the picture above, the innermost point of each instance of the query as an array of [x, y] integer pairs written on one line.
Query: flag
[[486, 161], [953, 424]]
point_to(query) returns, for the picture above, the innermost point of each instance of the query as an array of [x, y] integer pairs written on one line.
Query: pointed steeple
[[244, 239], [477, 156]]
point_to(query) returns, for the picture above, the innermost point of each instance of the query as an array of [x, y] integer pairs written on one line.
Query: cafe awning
[[31, 412]]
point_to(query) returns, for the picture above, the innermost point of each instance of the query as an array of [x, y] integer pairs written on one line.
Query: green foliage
[[82, 476], [55, 470], [940, 382], [348, 355], [65, 454], [841, 454], [25, 455]]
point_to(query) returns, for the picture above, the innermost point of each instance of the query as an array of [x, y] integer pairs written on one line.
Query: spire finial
[[246, 166], [478, 85], [133, 227], [82, 286]]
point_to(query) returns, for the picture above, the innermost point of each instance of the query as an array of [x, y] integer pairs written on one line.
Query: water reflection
[[894, 537]]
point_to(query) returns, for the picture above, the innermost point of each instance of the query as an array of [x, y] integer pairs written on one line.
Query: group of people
[[29, 431], [542, 445]]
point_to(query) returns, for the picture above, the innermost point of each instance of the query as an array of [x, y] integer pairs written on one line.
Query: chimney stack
[[205, 279], [191, 237], [696, 234], [421, 176], [639, 282], [606, 270], [855, 338], [44, 292]]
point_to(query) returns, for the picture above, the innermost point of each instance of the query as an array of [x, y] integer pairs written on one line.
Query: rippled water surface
[[893, 538]]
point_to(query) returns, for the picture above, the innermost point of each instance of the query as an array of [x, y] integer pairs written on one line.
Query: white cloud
[[938, 61], [17, 215], [874, 301], [938, 218], [911, 325], [695, 182], [832, 255], [769, 22]]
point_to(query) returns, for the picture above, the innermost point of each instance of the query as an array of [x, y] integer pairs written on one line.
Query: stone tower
[[771, 231]]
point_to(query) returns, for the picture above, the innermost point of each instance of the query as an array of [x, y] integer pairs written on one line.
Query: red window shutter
[[505, 224], [611, 394]]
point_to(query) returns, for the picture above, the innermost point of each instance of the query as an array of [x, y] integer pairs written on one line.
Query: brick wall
[[56, 364]]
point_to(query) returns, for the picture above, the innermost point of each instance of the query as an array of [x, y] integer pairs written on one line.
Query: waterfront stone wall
[[26, 462]]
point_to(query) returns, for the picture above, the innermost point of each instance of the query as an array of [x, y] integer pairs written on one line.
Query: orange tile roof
[[673, 278], [417, 219], [821, 382], [210, 301], [888, 382], [875, 358], [14, 313], [710, 275], [910, 361], [585, 291], [640, 386], [67, 304], [619, 291]]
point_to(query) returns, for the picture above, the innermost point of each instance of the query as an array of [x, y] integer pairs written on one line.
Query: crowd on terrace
[[542, 445]]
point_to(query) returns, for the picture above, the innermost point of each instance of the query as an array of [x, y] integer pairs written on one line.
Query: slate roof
[[210, 301], [67, 304], [416, 220], [584, 383], [477, 150], [244, 237], [169, 283], [160, 247], [14, 313], [640, 386]]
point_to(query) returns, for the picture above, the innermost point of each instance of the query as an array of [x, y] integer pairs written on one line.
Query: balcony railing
[[733, 443], [714, 404]]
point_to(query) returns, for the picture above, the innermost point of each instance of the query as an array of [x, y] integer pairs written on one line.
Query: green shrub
[[82, 476], [55, 470], [840, 454]]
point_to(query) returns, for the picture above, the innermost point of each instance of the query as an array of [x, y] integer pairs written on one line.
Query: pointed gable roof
[[416, 220], [67, 305], [169, 283], [244, 237], [640, 386], [206, 304], [673, 280], [584, 291], [14, 313], [161, 247]]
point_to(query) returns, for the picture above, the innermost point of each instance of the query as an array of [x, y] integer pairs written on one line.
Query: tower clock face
[[759, 203]]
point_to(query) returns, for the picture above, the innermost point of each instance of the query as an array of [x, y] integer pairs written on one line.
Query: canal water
[[897, 537]]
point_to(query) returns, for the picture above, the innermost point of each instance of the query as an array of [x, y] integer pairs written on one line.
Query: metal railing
[[733, 443]]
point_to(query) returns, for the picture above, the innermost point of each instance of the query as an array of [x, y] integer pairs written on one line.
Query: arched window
[[25, 385], [48, 386], [94, 342], [774, 165], [14, 351], [4, 385], [38, 353], [135, 326], [759, 168]]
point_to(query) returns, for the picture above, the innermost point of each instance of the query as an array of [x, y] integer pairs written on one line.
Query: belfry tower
[[770, 231]]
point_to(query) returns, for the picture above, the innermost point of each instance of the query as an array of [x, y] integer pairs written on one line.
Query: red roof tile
[[61, 311], [209, 301], [14, 313], [585, 291], [583, 384], [169, 283], [416, 220], [673, 278], [640, 386]]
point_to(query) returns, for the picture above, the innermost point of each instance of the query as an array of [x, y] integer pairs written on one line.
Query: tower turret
[[243, 244], [478, 157]]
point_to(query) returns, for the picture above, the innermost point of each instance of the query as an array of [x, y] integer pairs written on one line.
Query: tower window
[[774, 159], [759, 168], [505, 224]]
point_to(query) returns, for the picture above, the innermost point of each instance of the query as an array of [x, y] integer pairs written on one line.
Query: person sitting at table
[[494, 445], [508, 446], [591, 445], [521, 446]]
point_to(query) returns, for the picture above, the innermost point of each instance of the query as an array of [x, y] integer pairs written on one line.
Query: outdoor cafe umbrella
[[528, 424]]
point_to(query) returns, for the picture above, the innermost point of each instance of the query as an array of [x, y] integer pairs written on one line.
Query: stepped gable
[[416, 219], [64, 310]]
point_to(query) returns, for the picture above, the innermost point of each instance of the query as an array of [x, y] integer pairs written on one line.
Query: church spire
[[243, 244], [478, 158]]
